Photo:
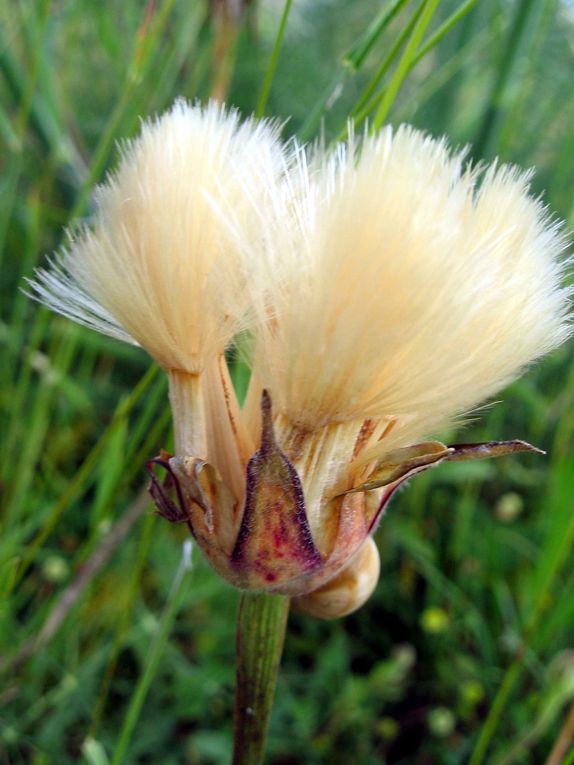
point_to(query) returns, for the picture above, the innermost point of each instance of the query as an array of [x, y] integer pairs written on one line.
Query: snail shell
[[346, 592]]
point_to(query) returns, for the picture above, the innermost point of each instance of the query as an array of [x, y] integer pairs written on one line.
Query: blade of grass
[[183, 50], [272, 66], [144, 49], [387, 61], [73, 591], [41, 408], [369, 98], [444, 73], [177, 594], [357, 54], [444, 29], [540, 23], [123, 625], [514, 43], [77, 484], [556, 696], [21, 304], [351, 63], [23, 82], [551, 565], [8, 190], [133, 459], [405, 64]]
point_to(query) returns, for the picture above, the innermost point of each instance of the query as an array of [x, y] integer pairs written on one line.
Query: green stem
[[261, 626]]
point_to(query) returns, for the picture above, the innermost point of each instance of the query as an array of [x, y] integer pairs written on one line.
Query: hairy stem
[[261, 626]]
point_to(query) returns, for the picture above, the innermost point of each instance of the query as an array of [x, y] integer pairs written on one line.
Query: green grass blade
[[405, 64], [369, 98], [272, 66], [515, 40], [138, 67], [179, 589], [352, 61], [357, 54], [77, 484], [557, 552], [444, 29], [123, 625]]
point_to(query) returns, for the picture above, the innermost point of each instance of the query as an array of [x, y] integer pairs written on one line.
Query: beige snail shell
[[346, 592]]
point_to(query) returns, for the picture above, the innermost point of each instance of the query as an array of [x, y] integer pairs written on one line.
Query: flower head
[[410, 290], [417, 287], [387, 288], [157, 267]]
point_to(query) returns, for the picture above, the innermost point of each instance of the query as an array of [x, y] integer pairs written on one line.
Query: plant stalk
[[261, 624]]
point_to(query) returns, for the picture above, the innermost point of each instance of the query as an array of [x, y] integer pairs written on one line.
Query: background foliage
[[113, 649]]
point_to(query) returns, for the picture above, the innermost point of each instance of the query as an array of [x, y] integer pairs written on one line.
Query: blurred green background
[[112, 650]]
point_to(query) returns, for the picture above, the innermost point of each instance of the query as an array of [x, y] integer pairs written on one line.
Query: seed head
[[387, 289]]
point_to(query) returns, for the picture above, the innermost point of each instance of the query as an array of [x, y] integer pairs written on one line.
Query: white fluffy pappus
[[159, 267], [415, 289]]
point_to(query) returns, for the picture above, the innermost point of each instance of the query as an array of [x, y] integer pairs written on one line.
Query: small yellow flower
[[386, 289]]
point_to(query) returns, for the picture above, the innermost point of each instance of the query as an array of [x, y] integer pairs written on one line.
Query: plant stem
[[261, 626]]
